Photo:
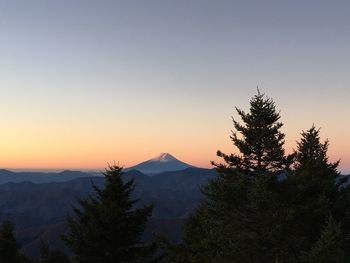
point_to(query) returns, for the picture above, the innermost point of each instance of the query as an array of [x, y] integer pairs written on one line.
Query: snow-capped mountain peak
[[161, 163], [163, 157]]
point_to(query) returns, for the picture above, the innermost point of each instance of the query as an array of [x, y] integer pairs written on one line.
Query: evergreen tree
[[317, 198], [108, 228], [311, 153], [9, 252], [260, 210], [241, 216]]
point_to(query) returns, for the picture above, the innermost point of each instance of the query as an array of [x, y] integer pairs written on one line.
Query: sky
[[84, 83]]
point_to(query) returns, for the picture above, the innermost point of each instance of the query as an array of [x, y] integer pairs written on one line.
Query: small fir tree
[[316, 197], [311, 153], [108, 228]]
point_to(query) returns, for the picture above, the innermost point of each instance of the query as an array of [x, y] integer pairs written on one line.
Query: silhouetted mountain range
[[39, 209], [41, 177], [159, 164]]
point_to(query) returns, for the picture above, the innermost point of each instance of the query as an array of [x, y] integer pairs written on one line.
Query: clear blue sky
[[83, 83]]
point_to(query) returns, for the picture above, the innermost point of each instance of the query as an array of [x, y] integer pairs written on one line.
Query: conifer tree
[[250, 213], [107, 227], [312, 153], [259, 139], [316, 198], [240, 218]]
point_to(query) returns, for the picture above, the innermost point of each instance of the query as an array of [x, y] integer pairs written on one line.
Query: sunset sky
[[84, 83]]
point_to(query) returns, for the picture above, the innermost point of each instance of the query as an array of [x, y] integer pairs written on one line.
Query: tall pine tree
[[241, 216], [108, 228]]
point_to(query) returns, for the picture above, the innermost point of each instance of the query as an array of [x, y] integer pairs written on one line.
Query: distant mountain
[[7, 176], [161, 163], [164, 162]]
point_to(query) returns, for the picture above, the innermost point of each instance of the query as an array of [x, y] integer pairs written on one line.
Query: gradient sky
[[83, 83]]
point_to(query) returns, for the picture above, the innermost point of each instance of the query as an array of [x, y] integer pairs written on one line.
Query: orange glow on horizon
[[54, 146], [97, 158]]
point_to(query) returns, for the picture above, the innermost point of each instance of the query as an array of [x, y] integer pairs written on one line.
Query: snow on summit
[[163, 157], [161, 163]]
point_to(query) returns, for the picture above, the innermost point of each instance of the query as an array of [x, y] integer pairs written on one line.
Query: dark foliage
[[329, 248], [260, 208], [52, 256], [319, 205], [107, 228], [241, 211], [9, 252], [259, 140]]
